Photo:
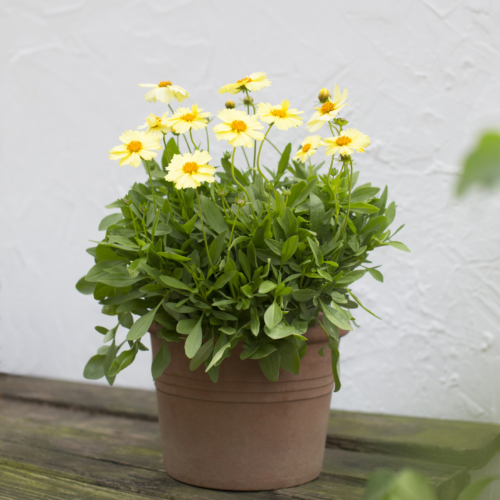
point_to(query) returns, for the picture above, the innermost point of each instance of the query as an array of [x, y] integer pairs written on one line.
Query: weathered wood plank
[[136, 403], [467, 444], [128, 443], [20, 484], [449, 480]]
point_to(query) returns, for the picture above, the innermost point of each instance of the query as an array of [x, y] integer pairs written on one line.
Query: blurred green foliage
[[482, 165]]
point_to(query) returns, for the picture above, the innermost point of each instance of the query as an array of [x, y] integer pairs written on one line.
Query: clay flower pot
[[244, 433]]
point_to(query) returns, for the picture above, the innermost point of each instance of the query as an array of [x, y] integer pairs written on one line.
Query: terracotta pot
[[244, 433]]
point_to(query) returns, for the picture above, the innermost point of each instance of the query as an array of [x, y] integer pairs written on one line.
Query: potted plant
[[242, 274]]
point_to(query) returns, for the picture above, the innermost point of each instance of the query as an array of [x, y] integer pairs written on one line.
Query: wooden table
[[64, 440]]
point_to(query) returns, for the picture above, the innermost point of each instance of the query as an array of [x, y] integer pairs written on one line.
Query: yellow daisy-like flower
[[281, 115], [165, 92], [238, 128], [156, 125], [328, 110], [348, 141], [252, 83], [309, 146], [185, 119], [190, 170], [136, 145]]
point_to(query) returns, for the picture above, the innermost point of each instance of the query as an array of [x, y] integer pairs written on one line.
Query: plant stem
[[248, 163], [260, 149], [133, 221], [232, 231], [208, 138], [192, 140], [241, 185], [204, 234], [144, 226], [348, 200], [280, 153]]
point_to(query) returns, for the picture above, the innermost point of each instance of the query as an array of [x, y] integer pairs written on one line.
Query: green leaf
[[213, 215], [473, 490], [363, 208], [161, 361], [135, 267], [245, 264], [217, 246], [376, 274], [273, 315], [174, 256], [360, 304], [285, 157], [193, 341], [317, 213], [335, 316], [85, 287], [289, 248], [295, 191], [185, 326], [302, 196], [275, 246], [267, 286], [254, 321], [270, 366], [123, 360], [94, 369], [304, 295], [364, 193], [109, 220], [482, 166], [114, 238], [141, 326], [289, 357], [390, 213], [318, 256], [203, 353], [280, 331], [224, 278], [263, 351], [224, 315], [333, 345], [174, 283], [399, 246]]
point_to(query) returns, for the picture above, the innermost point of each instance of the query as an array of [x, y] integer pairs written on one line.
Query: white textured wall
[[423, 78]]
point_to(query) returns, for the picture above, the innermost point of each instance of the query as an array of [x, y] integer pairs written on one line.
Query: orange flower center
[[238, 126], [190, 167], [343, 141], [189, 117], [327, 107], [279, 113], [244, 81], [165, 83], [306, 148], [134, 146]]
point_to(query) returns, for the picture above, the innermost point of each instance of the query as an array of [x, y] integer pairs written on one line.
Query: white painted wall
[[423, 78]]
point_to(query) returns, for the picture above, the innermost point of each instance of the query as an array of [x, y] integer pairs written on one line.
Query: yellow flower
[[185, 119], [190, 170], [164, 92], [348, 141], [328, 110], [156, 125], [252, 83], [309, 146], [283, 117], [136, 145], [238, 128]]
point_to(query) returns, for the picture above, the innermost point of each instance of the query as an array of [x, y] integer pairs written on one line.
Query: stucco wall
[[423, 79]]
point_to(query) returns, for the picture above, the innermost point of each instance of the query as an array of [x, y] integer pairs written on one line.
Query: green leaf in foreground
[[94, 369], [273, 315], [399, 246], [141, 326], [161, 361], [193, 341], [270, 366]]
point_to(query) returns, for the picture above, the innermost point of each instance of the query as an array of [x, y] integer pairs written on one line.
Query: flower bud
[[269, 186], [226, 155], [240, 202], [144, 208], [324, 95], [230, 105], [222, 192], [247, 100], [340, 121], [286, 192], [126, 200], [345, 158]]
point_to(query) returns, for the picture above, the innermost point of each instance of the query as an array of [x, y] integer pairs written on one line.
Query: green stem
[[192, 140], [133, 221], [348, 201], [152, 188], [330, 169], [204, 234], [208, 138], [241, 185], [260, 149], [144, 226], [280, 153], [232, 231]]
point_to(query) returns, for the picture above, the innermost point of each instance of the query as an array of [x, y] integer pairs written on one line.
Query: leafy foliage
[[268, 268]]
